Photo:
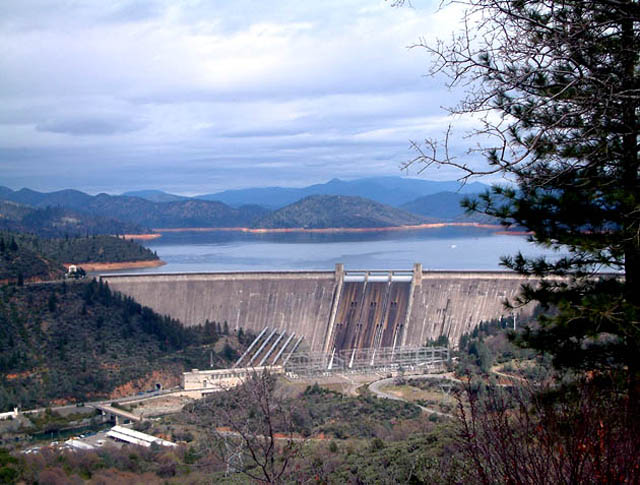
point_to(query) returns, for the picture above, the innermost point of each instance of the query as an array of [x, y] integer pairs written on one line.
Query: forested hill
[[20, 262], [80, 340], [330, 211], [135, 212], [25, 256], [61, 221], [92, 249], [182, 213]]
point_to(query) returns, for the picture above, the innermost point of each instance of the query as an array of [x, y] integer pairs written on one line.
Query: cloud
[[134, 11], [263, 133], [228, 93], [90, 126]]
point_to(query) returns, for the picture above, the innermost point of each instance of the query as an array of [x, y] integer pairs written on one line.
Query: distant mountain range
[[136, 212], [393, 191], [368, 202], [155, 195], [445, 206]]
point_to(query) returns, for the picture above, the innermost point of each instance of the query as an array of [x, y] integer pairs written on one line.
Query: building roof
[[136, 437]]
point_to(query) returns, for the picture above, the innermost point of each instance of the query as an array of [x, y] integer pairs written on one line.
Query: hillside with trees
[[327, 211], [25, 257], [92, 249], [79, 340], [20, 262], [181, 213], [61, 222]]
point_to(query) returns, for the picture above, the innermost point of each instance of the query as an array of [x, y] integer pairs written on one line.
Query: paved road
[[507, 376], [375, 388], [106, 402]]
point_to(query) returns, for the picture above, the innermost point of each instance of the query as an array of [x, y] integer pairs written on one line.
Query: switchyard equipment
[[367, 360], [302, 363], [280, 353]]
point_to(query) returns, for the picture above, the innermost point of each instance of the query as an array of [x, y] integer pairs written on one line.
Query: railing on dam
[[378, 275]]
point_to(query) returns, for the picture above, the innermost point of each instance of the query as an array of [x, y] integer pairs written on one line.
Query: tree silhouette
[[251, 429], [555, 86]]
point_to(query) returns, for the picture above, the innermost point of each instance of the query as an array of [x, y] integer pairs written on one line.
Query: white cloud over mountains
[[196, 96]]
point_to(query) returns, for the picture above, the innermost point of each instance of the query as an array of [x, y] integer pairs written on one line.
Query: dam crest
[[333, 310]]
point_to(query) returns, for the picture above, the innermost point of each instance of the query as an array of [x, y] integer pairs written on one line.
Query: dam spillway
[[370, 314], [333, 310]]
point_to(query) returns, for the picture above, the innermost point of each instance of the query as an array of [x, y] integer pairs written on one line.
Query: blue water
[[445, 249]]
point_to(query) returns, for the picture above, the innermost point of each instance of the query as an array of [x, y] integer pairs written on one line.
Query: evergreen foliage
[[80, 340], [20, 260], [31, 256], [321, 411], [562, 79], [60, 221]]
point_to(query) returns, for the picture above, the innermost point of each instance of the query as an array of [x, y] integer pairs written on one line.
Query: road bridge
[[114, 413]]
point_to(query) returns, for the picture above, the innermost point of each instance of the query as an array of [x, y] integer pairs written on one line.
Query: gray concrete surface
[[437, 303]]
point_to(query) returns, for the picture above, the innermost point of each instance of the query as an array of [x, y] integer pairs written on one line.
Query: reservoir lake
[[447, 248]]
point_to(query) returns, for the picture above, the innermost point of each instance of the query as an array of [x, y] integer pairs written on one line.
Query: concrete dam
[[333, 310]]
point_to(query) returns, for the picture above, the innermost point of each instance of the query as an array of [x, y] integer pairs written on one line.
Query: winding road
[[375, 388]]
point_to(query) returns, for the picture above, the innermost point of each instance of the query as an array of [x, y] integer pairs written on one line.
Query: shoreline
[[432, 225], [515, 233], [117, 266], [143, 237]]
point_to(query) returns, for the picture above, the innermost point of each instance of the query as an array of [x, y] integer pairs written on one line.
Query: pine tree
[[557, 86], [52, 302]]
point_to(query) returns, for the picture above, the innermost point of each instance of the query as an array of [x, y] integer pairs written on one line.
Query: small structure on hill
[[75, 271]]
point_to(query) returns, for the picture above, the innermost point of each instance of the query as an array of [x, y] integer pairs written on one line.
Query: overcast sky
[[199, 96]]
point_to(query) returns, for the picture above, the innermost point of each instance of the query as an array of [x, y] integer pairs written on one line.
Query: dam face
[[333, 310], [293, 302]]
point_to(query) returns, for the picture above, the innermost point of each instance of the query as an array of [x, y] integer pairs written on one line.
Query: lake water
[[444, 248]]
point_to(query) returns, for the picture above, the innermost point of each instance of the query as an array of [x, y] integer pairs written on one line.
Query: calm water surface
[[445, 248]]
